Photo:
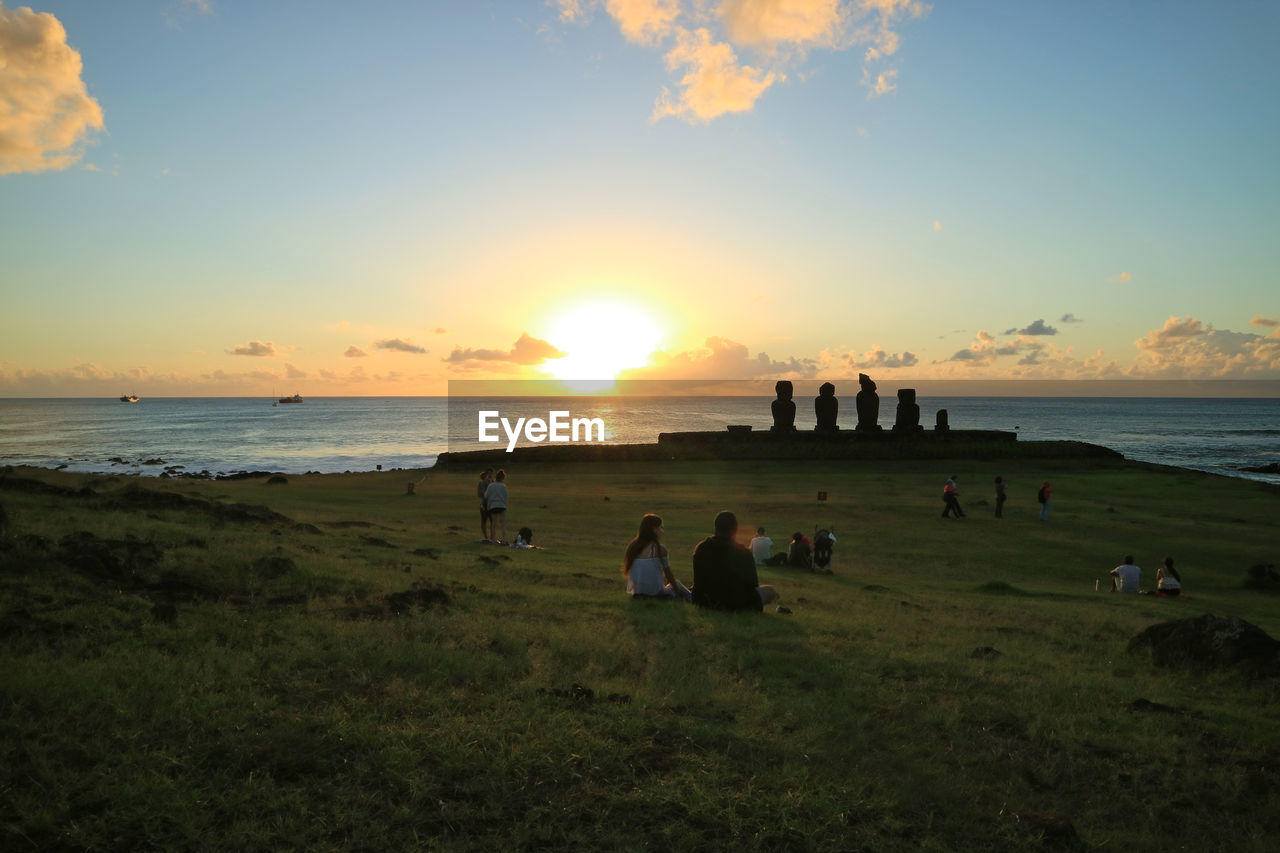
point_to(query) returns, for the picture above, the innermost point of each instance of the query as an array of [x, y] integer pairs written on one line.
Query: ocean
[[336, 434]]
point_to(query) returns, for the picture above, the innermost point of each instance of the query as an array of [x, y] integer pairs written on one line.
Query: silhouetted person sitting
[[827, 408], [724, 573], [783, 408], [799, 552]]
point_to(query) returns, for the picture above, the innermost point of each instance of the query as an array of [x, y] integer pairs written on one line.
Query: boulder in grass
[[1210, 642]]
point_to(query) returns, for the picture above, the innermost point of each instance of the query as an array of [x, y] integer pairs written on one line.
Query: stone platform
[[740, 443]]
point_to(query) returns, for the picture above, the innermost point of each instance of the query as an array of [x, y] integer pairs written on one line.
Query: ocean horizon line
[[1013, 388]]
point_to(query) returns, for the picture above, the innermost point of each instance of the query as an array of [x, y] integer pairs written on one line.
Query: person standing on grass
[[1168, 581], [950, 493], [486, 477], [1126, 576], [724, 573], [495, 499], [1045, 496], [647, 566], [1000, 497]]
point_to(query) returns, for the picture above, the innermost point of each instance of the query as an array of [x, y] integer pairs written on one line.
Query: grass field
[[344, 667]]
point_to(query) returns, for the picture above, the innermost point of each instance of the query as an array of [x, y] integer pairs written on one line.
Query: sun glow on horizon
[[602, 339]]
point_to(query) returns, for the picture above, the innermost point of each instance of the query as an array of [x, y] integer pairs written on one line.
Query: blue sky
[[377, 199]]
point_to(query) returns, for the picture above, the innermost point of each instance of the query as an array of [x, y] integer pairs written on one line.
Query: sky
[[238, 198]]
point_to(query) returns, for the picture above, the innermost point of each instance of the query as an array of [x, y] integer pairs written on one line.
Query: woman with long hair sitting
[[647, 567]]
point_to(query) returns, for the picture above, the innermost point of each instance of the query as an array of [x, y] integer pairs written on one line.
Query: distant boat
[[296, 398], [132, 398]]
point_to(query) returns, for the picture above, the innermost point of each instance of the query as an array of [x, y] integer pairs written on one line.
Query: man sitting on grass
[[724, 572], [1125, 576]]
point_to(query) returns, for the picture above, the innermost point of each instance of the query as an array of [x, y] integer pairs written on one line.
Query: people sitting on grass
[[647, 566], [1168, 581], [800, 552], [760, 547], [1126, 576], [724, 572]]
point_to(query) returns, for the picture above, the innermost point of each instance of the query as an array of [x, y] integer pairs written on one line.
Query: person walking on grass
[[724, 572], [1045, 496], [1000, 497], [495, 500], [950, 493]]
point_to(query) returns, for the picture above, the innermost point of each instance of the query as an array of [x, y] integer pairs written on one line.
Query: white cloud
[[46, 113], [263, 349], [699, 38], [714, 82]]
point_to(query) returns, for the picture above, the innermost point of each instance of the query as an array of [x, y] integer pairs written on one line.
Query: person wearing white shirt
[[1125, 577]]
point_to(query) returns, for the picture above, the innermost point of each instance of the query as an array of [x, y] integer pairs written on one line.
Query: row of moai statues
[[826, 408]]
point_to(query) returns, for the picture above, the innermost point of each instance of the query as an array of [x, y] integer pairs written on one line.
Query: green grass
[[247, 685]]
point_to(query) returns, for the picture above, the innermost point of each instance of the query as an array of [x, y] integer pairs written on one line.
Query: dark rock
[[155, 462], [107, 559], [827, 408], [1148, 707], [1210, 642], [274, 566], [244, 475], [1055, 831], [277, 480], [1269, 468], [419, 597], [984, 652], [1263, 576]]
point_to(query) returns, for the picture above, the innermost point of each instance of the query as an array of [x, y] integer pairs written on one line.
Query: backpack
[[822, 546], [1040, 495]]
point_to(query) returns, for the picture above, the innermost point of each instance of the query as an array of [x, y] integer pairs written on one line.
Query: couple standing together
[[724, 572]]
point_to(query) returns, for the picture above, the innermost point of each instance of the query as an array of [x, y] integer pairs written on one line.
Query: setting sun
[[601, 340]]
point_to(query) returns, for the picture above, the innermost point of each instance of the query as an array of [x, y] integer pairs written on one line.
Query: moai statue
[[826, 407], [942, 425], [868, 403], [908, 411], [784, 408]]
